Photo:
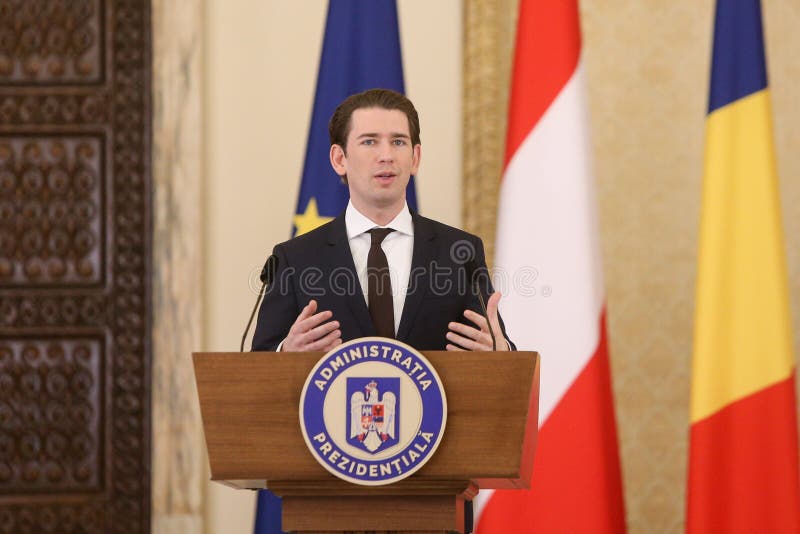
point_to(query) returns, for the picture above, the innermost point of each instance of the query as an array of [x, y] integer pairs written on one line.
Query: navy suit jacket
[[319, 265]]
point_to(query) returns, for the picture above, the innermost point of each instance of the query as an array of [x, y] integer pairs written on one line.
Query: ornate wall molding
[[51, 42], [75, 266]]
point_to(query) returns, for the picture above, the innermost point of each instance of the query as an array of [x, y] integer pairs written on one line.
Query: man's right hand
[[313, 331]]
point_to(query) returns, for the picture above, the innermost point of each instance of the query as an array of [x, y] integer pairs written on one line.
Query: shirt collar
[[357, 223]]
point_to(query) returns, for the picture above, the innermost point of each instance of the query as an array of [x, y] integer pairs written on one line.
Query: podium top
[[249, 404]]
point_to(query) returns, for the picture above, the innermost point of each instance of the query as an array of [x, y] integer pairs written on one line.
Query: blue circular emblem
[[373, 411]]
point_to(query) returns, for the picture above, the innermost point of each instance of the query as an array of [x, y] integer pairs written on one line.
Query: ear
[[338, 160], [415, 158]]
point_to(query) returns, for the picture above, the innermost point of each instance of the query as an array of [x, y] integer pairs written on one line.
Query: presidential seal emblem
[[372, 419], [373, 411]]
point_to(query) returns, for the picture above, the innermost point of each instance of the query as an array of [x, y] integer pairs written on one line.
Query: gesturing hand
[[465, 337], [313, 331]]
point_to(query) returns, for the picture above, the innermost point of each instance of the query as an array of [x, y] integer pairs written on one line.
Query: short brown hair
[[339, 125]]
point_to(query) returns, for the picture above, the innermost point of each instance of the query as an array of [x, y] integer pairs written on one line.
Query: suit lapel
[[340, 256], [424, 252]]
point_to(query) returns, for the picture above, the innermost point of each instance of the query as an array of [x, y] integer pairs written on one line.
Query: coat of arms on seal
[[372, 411], [373, 408]]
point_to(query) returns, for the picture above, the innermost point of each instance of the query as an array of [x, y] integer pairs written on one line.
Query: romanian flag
[[360, 51], [743, 459], [547, 240]]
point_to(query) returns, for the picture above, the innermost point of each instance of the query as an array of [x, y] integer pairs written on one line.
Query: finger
[[454, 348], [465, 342], [320, 331], [320, 344], [477, 318], [481, 336], [307, 311], [492, 309], [335, 343], [493, 303], [311, 322], [464, 330]]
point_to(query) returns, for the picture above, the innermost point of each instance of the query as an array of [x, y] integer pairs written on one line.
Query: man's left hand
[[465, 337]]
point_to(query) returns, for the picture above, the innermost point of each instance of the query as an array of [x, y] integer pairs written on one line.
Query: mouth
[[384, 177]]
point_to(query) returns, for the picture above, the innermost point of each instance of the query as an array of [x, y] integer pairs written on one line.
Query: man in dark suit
[[379, 268]]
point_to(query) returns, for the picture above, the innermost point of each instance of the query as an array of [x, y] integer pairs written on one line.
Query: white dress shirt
[[398, 247]]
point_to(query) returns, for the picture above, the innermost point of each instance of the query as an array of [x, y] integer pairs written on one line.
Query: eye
[[368, 142], [399, 142]]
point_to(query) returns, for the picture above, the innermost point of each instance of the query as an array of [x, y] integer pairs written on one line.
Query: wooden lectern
[[249, 403]]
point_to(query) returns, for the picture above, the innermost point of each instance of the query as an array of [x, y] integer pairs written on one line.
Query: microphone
[[267, 276], [473, 276]]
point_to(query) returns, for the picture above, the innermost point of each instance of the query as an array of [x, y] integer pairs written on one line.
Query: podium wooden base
[[379, 510], [347, 514]]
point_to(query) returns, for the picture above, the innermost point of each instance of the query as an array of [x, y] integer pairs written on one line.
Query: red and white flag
[[548, 248]]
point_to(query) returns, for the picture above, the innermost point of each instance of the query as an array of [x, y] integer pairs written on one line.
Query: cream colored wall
[[261, 59]]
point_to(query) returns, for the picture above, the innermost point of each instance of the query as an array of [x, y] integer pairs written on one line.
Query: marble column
[[178, 456], [489, 31]]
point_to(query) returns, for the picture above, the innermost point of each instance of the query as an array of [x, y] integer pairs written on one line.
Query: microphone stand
[[266, 277], [472, 270]]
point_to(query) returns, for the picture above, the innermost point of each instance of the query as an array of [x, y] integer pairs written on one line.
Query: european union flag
[[360, 51]]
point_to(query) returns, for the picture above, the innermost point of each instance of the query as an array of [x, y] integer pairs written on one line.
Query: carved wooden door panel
[[74, 266]]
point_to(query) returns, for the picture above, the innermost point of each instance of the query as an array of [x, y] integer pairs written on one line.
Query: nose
[[385, 153]]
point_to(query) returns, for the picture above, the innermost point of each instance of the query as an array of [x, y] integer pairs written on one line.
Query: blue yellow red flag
[[743, 451]]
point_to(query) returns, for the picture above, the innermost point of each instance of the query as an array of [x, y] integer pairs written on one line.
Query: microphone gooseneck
[[267, 276], [472, 269]]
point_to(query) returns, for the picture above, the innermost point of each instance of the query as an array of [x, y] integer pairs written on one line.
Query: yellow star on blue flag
[[310, 219]]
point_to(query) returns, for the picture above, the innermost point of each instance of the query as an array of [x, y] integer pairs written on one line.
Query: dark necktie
[[379, 285]]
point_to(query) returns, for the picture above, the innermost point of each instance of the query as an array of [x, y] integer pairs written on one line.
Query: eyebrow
[[393, 135]]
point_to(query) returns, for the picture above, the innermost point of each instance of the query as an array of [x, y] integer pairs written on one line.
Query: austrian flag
[[547, 221]]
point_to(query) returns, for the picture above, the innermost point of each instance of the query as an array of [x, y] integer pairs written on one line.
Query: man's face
[[380, 158]]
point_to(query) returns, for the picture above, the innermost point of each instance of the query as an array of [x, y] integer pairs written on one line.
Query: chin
[[387, 200]]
